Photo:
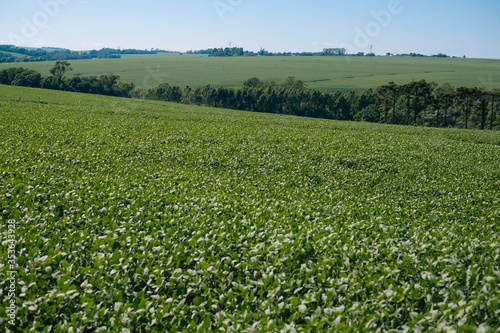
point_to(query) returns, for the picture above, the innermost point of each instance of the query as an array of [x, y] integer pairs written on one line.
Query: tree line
[[53, 54], [103, 85], [240, 52], [418, 103], [336, 52]]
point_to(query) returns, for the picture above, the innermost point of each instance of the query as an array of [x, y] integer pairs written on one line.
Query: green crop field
[[17, 55], [332, 73], [139, 216]]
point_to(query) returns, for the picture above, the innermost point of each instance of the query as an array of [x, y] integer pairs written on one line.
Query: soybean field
[[143, 216], [324, 73]]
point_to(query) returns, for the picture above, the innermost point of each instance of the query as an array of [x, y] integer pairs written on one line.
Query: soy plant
[[147, 217]]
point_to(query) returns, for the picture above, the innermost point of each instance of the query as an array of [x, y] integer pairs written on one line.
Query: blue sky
[[455, 27]]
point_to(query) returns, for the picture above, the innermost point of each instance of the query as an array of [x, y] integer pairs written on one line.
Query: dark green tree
[[106, 83], [465, 98], [252, 83], [4, 79], [394, 91], [494, 96], [444, 96], [7, 76], [388, 95], [59, 69], [365, 99], [372, 113], [482, 96], [383, 95], [421, 91], [28, 78], [343, 108], [407, 91]]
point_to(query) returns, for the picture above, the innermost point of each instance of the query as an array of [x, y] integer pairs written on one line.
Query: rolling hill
[[324, 73], [143, 216]]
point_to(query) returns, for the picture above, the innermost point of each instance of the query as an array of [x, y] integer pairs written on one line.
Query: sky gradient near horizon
[[454, 27]]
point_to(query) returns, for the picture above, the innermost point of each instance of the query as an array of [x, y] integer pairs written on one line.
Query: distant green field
[[140, 216], [332, 73], [17, 55]]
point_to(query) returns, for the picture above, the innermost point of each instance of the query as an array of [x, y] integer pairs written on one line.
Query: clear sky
[[454, 27]]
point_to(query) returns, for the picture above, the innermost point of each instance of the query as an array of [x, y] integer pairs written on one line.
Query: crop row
[[144, 216]]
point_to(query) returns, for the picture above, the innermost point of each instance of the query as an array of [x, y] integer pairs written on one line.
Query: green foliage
[[59, 69], [21, 77], [420, 101], [10, 53], [323, 73], [145, 216], [227, 52], [7, 57]]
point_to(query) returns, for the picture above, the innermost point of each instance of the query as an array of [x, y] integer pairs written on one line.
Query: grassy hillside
[[17, 55], [332, 73], [151, 217]]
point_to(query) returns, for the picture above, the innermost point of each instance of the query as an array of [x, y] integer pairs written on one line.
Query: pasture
[[324, 73], [142, 216]]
